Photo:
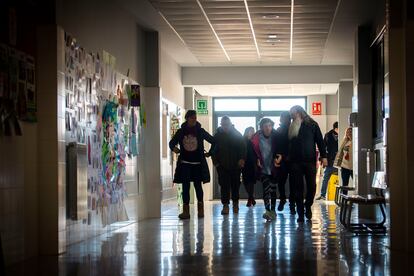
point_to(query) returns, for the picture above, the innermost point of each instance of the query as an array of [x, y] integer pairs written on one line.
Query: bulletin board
[[103, 112]]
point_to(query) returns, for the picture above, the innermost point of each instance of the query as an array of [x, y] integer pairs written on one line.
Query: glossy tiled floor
[[242, 244]]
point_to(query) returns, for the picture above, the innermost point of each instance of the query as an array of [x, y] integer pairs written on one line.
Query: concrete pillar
[[363, 105], [401, 130], [345, 93], [51, 170], [150, 159], [189, 102]]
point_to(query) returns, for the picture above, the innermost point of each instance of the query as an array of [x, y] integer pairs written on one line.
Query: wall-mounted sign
[[316, 108], [202, 107]]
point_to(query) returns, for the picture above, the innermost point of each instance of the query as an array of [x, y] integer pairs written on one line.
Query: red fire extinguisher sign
[[316, 108]]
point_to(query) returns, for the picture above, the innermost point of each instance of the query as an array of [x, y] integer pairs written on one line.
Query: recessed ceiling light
[[270, 16]]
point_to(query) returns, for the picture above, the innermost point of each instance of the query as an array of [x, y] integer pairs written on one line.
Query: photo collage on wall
[[100, 115], [17, 90]]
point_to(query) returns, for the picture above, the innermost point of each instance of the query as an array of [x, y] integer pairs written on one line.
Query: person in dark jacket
[[304, 136], [283, 172], [191, 164], [265, 145], [249, 169], [331, 142], [229, 156]]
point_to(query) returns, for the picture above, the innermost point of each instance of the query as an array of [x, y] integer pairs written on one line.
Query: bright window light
[[282, 104], [236, 105]]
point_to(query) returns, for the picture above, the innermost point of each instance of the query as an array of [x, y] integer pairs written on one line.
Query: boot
[[249, 202], [235, 207], [281, 205], [200, 209], [225, 210], [186, 212], [253, 202]]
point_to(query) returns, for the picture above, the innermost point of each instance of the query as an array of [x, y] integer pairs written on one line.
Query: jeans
[[189, 173], [229, 180], [269, 192], [298, 171], [345, 174], [326, 176]]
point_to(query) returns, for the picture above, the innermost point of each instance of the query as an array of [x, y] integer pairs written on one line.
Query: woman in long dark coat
[[192, 164], [249, 169]]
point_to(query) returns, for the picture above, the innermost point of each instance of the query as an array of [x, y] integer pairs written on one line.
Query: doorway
[[247, 112]]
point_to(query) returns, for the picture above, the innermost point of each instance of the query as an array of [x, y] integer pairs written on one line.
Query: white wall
[[170, 80], [105, 25]]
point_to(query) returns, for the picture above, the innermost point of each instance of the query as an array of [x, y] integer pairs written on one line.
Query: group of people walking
[[269, 155]]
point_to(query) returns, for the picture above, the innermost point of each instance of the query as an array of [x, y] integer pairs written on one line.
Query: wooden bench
[[347, 203]]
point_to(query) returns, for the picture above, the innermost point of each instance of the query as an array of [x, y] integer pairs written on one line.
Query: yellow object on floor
[[333, 182]]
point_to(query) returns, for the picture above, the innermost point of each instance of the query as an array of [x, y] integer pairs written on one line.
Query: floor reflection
[[242, 244]]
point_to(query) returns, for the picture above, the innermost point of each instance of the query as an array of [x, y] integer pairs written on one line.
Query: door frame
[[257, 114]]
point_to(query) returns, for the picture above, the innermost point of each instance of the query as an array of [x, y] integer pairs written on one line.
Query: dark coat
[[249, 170], [229, 148], [202, 135], [331, 142], [283, 135], [275, 150], [302, 148]]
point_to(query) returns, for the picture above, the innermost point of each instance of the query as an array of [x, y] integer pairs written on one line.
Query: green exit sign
[[202, 107]]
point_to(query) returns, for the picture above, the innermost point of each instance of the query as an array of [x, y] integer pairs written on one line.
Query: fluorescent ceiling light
[[291, 29], [272, 36], [270, 16], [252, 29], [212, 28]]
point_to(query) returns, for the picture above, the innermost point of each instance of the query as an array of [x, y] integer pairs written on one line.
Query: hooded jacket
[[276, 149], [229, 148], [201, 135]]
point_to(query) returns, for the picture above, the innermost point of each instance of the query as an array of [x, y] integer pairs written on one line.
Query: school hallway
[[238, 244]]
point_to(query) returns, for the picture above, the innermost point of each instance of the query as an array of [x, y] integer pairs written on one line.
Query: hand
[[277, 160], [241, 163], [176, 150], [324, 162], [259, 164]]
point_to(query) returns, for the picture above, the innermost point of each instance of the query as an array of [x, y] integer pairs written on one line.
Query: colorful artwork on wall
[[99, 114]]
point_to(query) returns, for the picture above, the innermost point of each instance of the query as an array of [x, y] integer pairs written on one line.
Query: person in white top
[[343, 159]]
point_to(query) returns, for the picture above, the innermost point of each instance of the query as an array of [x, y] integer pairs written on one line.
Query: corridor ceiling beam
[[227, 75]]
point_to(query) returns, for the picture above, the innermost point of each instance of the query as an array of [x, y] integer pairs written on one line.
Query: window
[[236, 104], [240, 123], [282, 104]]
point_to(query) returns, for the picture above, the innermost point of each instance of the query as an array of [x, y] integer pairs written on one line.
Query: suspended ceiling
[[238, 31]]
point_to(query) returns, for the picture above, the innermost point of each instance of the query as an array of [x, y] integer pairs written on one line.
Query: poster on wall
[[135, 95]]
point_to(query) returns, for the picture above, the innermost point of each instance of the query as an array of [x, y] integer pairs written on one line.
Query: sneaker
[[300, 220], [269, 215], [308, 213], [281, 205], [225, 210], [321, 198], [236, 209]]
